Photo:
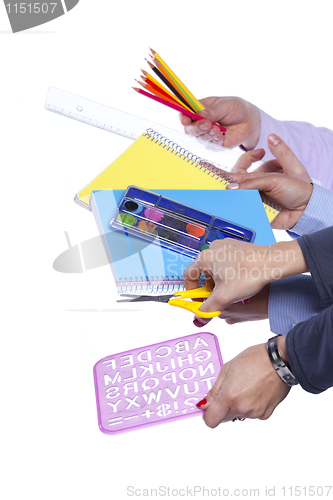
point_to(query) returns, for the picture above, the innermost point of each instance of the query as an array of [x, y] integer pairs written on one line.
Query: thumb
[[287, 159], [209, 398], [213, 113], [218, 299]]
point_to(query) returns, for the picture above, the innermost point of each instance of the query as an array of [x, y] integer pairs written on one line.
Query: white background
[[55, 326]]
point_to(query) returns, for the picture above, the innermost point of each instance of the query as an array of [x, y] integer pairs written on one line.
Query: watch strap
[[279, 365]]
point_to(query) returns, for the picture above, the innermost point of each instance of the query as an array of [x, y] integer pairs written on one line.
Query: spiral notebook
[[139, 266], [153, 162]]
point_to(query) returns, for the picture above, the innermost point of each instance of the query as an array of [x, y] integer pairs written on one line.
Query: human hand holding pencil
[[175, 94], [240, 117]]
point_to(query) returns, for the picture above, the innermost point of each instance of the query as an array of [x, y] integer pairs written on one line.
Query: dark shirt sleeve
[[317, 249], [310, 352], [310, 343]]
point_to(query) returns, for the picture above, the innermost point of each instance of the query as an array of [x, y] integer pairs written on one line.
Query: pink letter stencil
[[155, 383]]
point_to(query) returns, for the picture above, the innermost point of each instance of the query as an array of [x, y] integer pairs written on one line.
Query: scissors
[[176, 299]]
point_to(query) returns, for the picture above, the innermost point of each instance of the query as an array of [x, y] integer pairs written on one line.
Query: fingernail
[[245, 301], [198, 323], [273, 139], [233, 185], [202, 403], [212, 132], [204, 127]]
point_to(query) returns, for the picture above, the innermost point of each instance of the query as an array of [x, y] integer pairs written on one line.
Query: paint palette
[[171, 224], [156, 383]]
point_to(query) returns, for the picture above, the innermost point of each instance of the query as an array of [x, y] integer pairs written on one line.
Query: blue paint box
[[171, 224]]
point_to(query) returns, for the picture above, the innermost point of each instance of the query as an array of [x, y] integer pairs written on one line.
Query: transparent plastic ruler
[[96, 114], [131, 126]]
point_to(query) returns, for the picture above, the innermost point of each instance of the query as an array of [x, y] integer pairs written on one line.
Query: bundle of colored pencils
[[175, 95]]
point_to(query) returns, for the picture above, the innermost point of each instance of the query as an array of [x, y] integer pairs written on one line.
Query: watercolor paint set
[[156, 383], [171, 224]]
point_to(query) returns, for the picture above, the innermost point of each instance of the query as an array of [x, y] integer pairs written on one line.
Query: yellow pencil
[[170, 82], [198, 104]]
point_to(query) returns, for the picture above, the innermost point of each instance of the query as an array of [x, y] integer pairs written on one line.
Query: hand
[[290, 194], [235, 270], [241, 118], [253, 309], [286, 162], [247, 387]]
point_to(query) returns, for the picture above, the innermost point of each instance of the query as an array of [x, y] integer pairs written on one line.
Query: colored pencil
[[162, 95], [169, 85], [175, 77], [195, 104], [153, 82], [172, 82], [158, 88], [179, 88], [174, 106]]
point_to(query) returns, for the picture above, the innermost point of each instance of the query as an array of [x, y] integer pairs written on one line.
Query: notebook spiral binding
[[151, 285], [271, 207], [195, 160]]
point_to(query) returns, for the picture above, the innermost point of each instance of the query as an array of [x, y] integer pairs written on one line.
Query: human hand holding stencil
[[246, 387]]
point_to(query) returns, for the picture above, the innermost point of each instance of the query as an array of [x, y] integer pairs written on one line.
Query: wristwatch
[[280, 367]]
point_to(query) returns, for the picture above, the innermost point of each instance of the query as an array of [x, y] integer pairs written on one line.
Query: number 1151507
[[31, 8]]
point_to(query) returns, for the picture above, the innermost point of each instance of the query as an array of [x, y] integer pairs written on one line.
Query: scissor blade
[[148, 298]]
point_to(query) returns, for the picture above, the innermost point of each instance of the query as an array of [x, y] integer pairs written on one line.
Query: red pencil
[[150, 89], [166, 81], [154, 89], [175, 106]]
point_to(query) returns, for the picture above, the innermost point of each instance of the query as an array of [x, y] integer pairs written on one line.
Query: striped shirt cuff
[[318, 213], [292, 300]]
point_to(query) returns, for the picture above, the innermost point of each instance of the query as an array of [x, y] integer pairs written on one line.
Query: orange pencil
[[170, 85], [163, 95], [174, 84], [152, 82], [163, 92], [193, 100], [164, 68]]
